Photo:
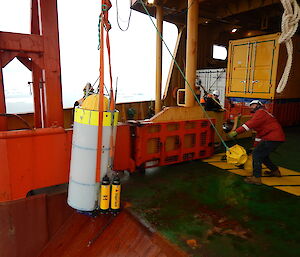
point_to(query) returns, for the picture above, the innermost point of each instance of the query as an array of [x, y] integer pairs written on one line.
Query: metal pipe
[[159, 24], [191, 51]]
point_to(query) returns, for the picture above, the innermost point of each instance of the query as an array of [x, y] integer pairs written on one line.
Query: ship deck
[[209, 211]]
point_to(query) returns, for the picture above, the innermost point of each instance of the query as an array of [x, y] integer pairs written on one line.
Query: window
[[219, 52]]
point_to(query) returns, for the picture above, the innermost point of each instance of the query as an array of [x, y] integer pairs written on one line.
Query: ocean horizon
[[24, 104]]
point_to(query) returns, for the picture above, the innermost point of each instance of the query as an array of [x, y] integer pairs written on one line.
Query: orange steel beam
[[21, 42], [39, 102], [52, 71], [42, 46], [43, 155]]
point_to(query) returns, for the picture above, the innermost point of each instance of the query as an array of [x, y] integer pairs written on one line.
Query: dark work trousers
[[261, 156]]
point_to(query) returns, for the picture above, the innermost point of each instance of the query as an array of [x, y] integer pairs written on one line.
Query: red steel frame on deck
[[191, 140], [39, 52], [38, 157]]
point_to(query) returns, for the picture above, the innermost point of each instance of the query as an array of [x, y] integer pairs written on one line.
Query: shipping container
[[255, 67]]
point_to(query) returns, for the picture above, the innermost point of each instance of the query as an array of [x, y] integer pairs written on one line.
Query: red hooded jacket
[[266, 126]]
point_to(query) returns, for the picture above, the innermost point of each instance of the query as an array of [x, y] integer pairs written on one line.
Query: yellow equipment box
[[255, 67]]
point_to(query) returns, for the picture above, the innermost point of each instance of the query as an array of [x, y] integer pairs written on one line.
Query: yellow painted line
[[214, 159], [244, 172], [295, 190], [294, 180], [289, 182], [224, 165], [241, 172], [286, 172]]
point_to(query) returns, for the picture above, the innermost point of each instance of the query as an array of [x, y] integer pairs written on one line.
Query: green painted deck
[[209, 212]]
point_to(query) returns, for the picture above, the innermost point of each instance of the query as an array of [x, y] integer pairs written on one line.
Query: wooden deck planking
[[122, 236]]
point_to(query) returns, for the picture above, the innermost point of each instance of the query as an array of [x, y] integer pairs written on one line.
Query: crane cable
[[289, 25], [184, 77]]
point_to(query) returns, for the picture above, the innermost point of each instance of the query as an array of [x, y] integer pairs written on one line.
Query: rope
[[128, 22], [183, 76], [289, 25]]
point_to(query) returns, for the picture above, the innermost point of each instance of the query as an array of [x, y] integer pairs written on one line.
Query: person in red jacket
[[269, 135]]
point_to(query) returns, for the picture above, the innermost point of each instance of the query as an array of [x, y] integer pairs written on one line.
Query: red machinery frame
[[147, 144], [37, 157], [39, 52], [191, 140]]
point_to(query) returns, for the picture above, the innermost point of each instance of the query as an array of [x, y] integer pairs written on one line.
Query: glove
[[232, 134]]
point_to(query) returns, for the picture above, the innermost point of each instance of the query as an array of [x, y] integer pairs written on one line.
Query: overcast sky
[[133, 52]]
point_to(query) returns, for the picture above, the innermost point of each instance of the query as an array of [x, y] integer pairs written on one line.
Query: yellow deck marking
[[247, 173], [295, 190], [241, 172], [215, 158], [294, 180], [223, 165], [286, 172], [290, 182]]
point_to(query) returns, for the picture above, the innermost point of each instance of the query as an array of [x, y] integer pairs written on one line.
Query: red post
[[53, 89], [3, 119], [36, 70]]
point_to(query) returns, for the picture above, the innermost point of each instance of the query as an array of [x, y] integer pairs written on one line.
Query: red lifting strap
[[106, 5]]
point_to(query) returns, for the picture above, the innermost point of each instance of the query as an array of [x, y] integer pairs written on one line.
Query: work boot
[[274, 173], [253, 180]]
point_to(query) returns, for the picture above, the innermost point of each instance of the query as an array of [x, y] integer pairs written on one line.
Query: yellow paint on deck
[[289, 182], [215, 158], [241, 172], [224, 165], [244, 172], [286, 172], [295, 190], [272, 181]]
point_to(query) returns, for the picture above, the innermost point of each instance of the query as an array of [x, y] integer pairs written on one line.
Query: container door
[[261, 69], [239, 69]]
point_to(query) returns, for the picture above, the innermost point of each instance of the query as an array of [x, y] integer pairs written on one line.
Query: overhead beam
[[21, 42], [237, 7]]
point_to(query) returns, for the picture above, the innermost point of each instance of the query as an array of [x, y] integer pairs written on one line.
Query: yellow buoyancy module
[[83, 187], [236, 155]]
